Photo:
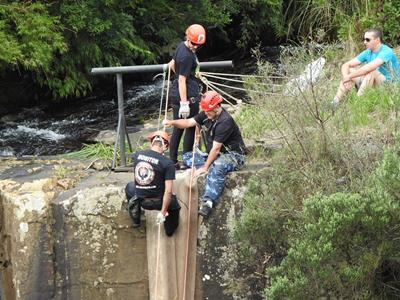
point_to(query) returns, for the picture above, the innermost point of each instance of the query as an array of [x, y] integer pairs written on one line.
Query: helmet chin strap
[[160, 139]]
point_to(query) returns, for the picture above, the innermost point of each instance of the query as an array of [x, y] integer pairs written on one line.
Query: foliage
[[324, 20], [97, 150], [255, 20], [57, 43], [29, 42], [252, 123], [318, 215], [346, 241], [105, 151], [99, 33]]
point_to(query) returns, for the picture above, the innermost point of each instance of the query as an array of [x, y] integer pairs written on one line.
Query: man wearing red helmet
[[185, 89], [152, 187], [224, 143]]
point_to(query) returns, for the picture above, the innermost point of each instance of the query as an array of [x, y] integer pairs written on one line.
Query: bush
[[322, 218], [345, 243]]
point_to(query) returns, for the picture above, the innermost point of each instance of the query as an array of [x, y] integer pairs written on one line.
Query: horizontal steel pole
[[156, 68]]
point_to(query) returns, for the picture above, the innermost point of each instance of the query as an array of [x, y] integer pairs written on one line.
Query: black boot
[[134, 210]]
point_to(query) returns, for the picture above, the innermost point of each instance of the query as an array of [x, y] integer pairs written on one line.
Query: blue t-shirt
[[390, 68]]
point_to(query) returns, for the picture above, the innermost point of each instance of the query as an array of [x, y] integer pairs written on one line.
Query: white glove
[[165, 122], [160, 218], [184, 109]]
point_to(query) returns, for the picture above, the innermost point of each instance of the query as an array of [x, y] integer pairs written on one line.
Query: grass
[[106, 152], [97, 150]]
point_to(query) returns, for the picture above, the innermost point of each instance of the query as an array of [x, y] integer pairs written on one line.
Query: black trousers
[[177, 133], [171, 221]]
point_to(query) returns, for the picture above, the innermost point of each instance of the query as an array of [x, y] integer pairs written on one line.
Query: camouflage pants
[[215, 180]]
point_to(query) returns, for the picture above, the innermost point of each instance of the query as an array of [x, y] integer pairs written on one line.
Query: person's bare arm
[[364, 70], [182, 88], [180, 123], [167, 196], [349, 64]]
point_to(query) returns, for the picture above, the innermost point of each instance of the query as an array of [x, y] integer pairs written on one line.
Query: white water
[[39, 133]]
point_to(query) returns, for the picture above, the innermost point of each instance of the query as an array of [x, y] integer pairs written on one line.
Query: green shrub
[[345, 242], [322, 214]]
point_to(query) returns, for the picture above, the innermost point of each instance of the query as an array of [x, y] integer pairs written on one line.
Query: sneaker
[[180, 166], [335, 104], [205, 210]]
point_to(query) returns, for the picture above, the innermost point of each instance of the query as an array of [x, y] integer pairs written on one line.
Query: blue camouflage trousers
[[215, 180]]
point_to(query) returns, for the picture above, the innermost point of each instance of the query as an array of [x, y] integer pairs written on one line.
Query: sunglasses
[[367, 40]]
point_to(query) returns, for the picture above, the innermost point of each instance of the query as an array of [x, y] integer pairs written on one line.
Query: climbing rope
[[167, 93], [240, 75], [161, 101], [159, 225], [213, 87], [237, 80], [214, 84]]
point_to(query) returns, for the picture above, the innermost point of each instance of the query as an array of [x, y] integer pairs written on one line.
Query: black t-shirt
[[222, 130], [185, 64], [151, 171]]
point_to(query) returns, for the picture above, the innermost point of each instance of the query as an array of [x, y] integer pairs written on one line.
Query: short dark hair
[[376, 32]]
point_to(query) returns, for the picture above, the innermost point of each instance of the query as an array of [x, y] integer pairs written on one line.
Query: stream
[[50, 131]]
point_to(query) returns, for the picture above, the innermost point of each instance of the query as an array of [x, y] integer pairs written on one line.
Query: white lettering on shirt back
[[148, 159]]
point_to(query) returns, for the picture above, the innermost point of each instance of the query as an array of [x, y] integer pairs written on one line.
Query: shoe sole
[[204, 215]]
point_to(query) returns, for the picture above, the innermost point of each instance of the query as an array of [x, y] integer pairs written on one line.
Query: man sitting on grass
[[381, 65]]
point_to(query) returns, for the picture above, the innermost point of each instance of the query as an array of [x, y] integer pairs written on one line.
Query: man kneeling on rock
[[224, 143], [152, 187]]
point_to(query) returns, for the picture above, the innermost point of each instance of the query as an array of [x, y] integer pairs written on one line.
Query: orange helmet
[[160, 134], [196, 34], [210, 100]]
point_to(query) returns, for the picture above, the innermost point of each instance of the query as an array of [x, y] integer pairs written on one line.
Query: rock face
[[222, 275], [76, 241]]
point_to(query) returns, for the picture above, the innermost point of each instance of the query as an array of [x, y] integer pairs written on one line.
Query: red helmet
[[210, 100], [196, 34], [161, 134]]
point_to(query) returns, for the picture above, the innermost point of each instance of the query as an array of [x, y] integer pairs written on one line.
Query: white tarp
[[308, 77]]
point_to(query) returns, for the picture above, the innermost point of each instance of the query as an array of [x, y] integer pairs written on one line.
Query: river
[[65, 127], [49, 131]]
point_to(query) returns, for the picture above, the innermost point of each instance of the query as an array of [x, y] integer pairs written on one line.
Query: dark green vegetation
[[48, 47], [325, 219]]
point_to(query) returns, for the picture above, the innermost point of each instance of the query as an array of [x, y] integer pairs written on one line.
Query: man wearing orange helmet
[[185, 89], [152, 187], [224, 143]]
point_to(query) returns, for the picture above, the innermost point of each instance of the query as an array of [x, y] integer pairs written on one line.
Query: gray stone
[[76, 241]]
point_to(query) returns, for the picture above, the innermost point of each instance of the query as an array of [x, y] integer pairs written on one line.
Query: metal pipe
[[121, 130], [156, 68], [121, 119]]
